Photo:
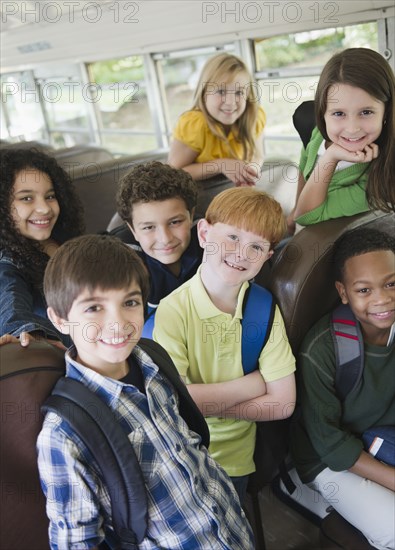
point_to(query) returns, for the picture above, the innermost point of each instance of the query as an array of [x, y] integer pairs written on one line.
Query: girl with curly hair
[[39, 210]]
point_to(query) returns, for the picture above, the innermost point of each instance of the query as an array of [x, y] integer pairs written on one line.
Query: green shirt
[[326, 432], [205, 345], [346, 194]]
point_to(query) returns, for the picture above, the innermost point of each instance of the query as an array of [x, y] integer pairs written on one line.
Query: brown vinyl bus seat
[[71, 158], [27, 377], [96, 185], [44, 147]]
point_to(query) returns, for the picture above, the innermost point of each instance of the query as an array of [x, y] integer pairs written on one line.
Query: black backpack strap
[[188, 408], [95, 423], [349, 350]]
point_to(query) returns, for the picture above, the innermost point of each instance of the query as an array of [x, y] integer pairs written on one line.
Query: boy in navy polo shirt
[[157, 202]]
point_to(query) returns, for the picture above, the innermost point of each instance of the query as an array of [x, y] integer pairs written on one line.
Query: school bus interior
[[99, 85]]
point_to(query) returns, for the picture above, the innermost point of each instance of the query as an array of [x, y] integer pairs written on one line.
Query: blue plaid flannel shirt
[[191, 501]]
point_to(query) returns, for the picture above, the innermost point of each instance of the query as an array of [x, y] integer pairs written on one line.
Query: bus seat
[[27, 376], [44, 147], [96, 185], [207, 190], [115, 222], [336, 532], [304, 120], [81, 155]]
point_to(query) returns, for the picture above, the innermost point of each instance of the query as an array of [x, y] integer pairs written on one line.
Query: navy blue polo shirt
[[162, 280]]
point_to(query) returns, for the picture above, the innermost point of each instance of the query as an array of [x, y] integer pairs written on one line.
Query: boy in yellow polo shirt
[[199, 324]]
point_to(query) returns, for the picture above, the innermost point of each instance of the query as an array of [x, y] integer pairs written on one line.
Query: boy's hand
[[336, 153]]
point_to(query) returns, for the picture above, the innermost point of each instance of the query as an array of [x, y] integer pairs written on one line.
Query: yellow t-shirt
[[205, 345], [192, 130]]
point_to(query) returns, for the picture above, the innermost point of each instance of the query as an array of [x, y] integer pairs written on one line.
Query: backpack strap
[[95, 423], [188, 408], [258, 314], [349, 350], [149, 322]]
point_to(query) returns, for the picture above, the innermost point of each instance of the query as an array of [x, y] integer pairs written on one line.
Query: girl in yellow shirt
[[222, 133]]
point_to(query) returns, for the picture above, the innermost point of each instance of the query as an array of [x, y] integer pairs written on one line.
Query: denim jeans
[[240, 484]]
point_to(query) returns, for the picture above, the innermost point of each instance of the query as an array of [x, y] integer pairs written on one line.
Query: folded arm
[[276, 404], [214, 399], [314, 192]]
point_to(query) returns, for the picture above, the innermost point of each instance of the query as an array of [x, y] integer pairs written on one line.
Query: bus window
[[66, 112], [124, 117], [23, 117], [179, 73]]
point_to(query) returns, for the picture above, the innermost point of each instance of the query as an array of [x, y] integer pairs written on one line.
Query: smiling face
[[231, 255], [226, 100], [353, 118], [105, 326], [368, 286], [34, 207], [163, 229]]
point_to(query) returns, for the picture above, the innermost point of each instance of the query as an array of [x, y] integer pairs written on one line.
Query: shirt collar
[[203, 304], [109, 389], [190, 258]]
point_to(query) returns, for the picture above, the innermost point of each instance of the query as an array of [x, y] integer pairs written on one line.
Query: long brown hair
[[220, 68], [368, 70]]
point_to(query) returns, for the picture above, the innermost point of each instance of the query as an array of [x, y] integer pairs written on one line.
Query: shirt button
[[61, 524], [215, 509], [178, 448]]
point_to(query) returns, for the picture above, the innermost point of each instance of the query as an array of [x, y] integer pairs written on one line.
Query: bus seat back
[[71, 158], [27, 376], [96, 185]]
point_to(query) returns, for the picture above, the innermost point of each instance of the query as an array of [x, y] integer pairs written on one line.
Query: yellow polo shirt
[[192, 130], [205, 345]]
